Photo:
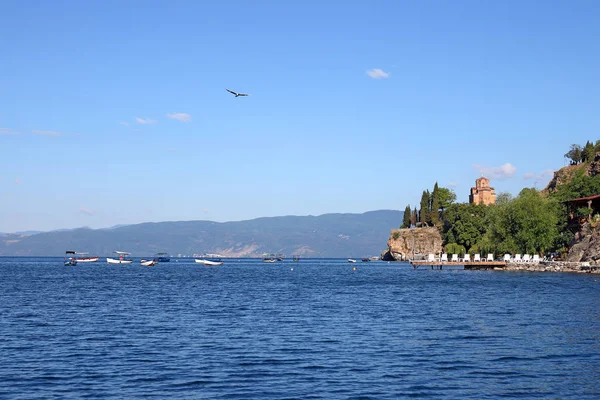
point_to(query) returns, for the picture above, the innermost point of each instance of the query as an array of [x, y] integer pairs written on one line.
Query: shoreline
[[553, 266]]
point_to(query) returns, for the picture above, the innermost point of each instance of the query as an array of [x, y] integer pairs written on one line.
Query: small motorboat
[[122, 258], [268, 258], [70, 258], [208, 262], [351, 260], [163, 257], [148, 263]]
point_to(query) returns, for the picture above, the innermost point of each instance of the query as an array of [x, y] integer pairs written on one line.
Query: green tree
[[406, 217], [465, 224], [580, 185], [424, 211], [435, 205], [574, 154], [588, 153], [414, 217], [454, 248], [528, 224], [503, 198], [446, 197]]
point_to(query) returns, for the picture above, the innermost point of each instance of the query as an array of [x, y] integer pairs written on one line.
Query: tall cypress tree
[[424, 213], [413, 217], [435, 205], [406, 217]]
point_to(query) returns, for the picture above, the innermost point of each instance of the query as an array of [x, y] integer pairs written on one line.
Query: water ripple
[[322, 331]]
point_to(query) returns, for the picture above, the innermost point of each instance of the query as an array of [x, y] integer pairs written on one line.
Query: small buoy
[[291, 269], [354, 269]]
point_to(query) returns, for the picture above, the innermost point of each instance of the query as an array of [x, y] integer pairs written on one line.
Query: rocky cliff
[[565, 174], [586, 245], [402, 242]]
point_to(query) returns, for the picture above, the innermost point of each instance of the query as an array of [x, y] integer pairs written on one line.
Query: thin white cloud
[[502, 172], [17, 181], [377, 73], [451, 184], [183, 117], [87, 211], [124, 123], [545, 174], [145, 121], [8, 131], [46, 133]]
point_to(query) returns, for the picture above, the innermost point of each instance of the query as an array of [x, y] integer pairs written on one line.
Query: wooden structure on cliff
[[592, 203]]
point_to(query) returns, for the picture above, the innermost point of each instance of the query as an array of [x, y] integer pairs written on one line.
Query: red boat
[[86, 259]]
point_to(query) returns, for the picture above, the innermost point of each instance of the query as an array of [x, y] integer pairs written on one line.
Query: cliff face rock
[[585, 247], [565, 174], [401, 242]]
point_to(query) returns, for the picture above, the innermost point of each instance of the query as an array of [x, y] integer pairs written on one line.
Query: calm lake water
[[251, 330]]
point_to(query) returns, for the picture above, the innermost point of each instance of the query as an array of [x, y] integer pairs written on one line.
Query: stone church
[[482, 193]]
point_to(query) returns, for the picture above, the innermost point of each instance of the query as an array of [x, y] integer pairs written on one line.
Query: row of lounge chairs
[[477, 258], [455, 258], [526, 258]]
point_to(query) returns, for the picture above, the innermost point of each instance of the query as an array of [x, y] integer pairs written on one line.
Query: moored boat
[[208, 262], [70, 258], [210, 259], [84, 258], [269, 258], [163, 257], [351, 260], [123, 258], [148, 263]]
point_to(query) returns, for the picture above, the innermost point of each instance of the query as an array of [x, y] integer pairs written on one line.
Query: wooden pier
[[472, 265]]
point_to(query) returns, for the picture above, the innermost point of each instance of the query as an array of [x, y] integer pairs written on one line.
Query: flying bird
[[236, 94]]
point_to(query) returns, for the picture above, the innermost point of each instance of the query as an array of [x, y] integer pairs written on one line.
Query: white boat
[[81, 257], [270, 258], [123, 259], [208, 262], [351, 260], [148, 263]]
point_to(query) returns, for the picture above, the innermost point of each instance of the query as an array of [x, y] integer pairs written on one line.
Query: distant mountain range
[[328, 235]]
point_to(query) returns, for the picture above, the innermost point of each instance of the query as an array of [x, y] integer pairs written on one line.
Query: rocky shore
[[553, 266]]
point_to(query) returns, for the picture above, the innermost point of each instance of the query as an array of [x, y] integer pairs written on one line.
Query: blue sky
[[115, 112]]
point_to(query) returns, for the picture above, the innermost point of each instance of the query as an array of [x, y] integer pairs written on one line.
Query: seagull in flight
[[236, 94]]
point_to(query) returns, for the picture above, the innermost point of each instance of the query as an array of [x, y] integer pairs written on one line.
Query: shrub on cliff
[[454, 248]]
